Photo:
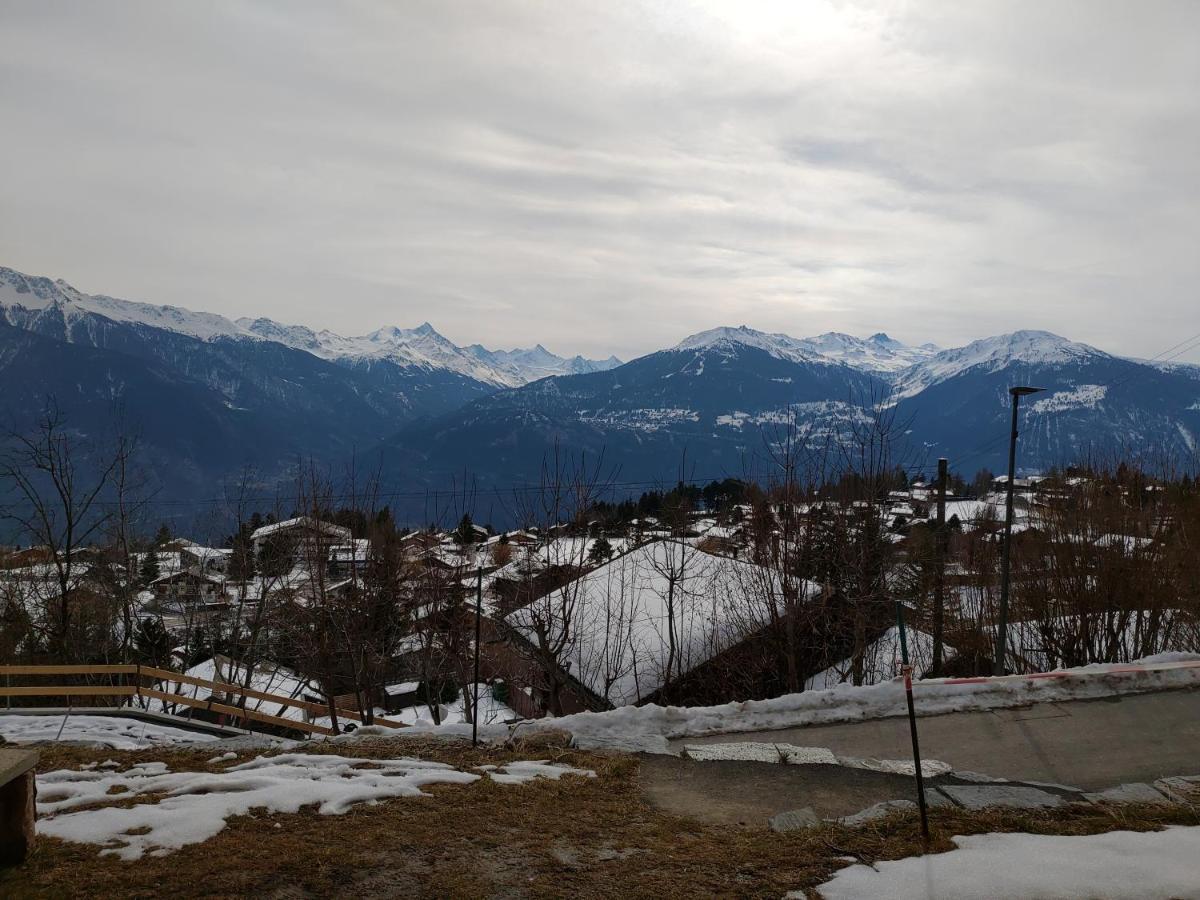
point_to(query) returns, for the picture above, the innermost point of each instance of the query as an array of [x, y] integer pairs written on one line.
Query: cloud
[[610, 177]]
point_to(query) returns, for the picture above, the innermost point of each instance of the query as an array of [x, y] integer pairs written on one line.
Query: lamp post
[[1002, 631]]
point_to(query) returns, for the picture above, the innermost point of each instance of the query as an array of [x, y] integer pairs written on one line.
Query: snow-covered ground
[[197, 805], [882, 659], [1113, 866], [117, 732]]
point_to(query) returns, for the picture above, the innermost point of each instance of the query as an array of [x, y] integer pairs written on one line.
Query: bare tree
[[569, 489], [56, 482]]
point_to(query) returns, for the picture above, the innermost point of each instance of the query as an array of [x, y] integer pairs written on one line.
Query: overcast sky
[[608, 177]]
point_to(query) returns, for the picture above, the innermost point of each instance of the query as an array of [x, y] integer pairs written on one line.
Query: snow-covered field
[[1113, 866], [197, 805], [117, 732]]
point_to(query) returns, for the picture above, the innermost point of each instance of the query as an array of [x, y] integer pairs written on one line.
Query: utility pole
[[1002, 627], [939, 583], [475, 683]]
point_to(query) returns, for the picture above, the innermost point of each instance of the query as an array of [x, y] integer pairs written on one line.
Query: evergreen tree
[[152, 643], [465, 533], [162, 536], [600, 552], [149, 570]]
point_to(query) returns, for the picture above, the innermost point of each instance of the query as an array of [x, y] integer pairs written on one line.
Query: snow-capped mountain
[[878, 353], [538, 362], [726, 339], [1030, 348], [23, 298], [213, 395]]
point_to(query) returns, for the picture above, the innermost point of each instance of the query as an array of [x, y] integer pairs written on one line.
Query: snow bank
[[1117, 865], [648, 728], [117, 732]]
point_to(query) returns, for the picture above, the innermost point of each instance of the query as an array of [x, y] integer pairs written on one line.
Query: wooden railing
[[155, 676]]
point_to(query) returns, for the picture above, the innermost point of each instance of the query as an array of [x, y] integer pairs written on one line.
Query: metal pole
[[912, 723], [475, 684], [916, 747], [1002, 629], [939, 584]]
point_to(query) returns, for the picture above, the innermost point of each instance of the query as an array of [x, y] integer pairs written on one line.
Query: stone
[[930, 768], [878, 811], [1128, 793], [971, 796], [978, 777], [794, 820], [757, 751]]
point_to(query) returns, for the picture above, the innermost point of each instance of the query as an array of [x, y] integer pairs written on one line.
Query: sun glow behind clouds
[[561, 171]]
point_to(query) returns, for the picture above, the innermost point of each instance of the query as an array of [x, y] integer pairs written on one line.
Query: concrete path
[[730, 792], [1090, 744]]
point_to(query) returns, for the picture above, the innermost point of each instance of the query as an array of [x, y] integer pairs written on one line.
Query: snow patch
[[117, 732], [1117, 865], [1083, 396], [197, 805]]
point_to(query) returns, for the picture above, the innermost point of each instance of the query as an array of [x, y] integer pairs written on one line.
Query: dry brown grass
[[578, 837]]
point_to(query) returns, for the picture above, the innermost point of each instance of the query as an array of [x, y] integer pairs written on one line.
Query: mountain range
[[211, 396]]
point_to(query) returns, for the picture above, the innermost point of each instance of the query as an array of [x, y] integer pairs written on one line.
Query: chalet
[[190, 587], [298, 540], [197, 556], [346, 560]]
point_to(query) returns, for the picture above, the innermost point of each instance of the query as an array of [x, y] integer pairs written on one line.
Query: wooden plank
[[235, 711], [222, 687], [77, 690], [217, 687], [68, 670]]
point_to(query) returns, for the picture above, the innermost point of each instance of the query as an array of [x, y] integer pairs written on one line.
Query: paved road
[[1091, 744]]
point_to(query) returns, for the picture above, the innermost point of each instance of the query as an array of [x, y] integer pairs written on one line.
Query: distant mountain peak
[[1029, 347]]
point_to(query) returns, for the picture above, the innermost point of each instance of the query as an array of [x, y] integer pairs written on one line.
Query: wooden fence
[[154, 676]]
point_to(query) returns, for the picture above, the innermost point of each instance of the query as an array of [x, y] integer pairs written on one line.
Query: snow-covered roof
[[327, 528], [620, 622]]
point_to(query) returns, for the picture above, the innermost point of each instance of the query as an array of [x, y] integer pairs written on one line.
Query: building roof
[[326, 528]]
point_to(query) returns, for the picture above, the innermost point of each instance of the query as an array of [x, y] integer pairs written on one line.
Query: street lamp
[[1002, 632]]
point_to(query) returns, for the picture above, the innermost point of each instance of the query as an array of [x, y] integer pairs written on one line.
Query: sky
[[611, 177]]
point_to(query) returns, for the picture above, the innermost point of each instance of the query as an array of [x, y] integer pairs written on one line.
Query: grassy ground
[[574, 837]]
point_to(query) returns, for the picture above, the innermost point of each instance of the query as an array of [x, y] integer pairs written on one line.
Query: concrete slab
[[733, 792], [1137, 792], [930, 768], [1102, 743], [14, 763], [878, 811], [794, 820], [753, 751], [981, 796], [933, 799]]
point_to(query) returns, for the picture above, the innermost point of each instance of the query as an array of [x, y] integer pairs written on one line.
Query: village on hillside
[[692, 597]]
